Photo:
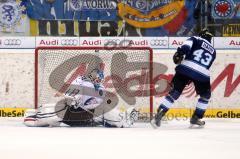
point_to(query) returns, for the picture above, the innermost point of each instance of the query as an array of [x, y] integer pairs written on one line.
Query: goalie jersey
[[199, 56], [86, 93]]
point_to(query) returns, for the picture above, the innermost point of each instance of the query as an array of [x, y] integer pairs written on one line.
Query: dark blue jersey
[[199, 56]]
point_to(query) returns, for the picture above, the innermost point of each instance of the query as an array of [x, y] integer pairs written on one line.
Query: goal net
[[127, 74]]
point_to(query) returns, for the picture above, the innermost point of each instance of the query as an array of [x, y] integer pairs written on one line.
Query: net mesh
[[127, 74]]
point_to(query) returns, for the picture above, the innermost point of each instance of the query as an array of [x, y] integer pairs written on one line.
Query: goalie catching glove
[[178, 56]]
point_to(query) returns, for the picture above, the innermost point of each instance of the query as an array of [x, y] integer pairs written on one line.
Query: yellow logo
[[12, 112], [149, 14]]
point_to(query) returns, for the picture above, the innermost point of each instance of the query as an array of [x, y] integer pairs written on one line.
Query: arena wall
[[17, 71]]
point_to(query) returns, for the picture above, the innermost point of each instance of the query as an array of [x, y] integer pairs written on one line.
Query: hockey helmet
[[96, 76], [205, 34]]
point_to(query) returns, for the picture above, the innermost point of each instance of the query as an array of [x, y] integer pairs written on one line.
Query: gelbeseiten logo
[[11, 13]]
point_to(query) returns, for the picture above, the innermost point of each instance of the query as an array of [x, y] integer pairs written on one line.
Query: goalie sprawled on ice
[[85, 103]]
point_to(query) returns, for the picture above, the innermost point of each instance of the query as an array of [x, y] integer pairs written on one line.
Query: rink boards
[[17, 85]]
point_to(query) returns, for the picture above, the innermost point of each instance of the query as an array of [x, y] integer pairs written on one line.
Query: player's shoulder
[[203, 40], [194, 38], [191, 40]]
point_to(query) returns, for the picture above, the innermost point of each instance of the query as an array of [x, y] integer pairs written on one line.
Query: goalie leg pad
[[42, 117]]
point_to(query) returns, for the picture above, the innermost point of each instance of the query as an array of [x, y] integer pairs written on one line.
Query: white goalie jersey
[[86, 94]]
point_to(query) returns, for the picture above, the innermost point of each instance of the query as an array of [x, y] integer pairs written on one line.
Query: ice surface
[[220, 139]]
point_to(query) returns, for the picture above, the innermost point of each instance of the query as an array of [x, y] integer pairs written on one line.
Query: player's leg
[[64, 111], [178, 83], [42, 117], [204, 91]]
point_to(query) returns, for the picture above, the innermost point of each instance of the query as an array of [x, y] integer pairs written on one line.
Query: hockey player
[[78, 109], [194, 59]]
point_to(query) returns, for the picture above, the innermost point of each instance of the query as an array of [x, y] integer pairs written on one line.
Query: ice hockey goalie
[[82, 105]]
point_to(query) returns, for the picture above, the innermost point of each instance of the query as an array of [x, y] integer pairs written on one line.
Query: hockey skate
[[195, 121], [131, 116], [156, 121]]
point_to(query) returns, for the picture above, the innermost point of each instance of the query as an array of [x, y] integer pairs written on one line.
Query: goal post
[[128, 73]]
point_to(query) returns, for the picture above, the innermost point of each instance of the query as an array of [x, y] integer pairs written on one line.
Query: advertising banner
[[57, 41], [227, 43], [17, 42], [152, 42], [231, 30], [175, 42]]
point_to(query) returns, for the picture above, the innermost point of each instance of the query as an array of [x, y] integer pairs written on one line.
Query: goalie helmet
[[205, 34], [96, 76]]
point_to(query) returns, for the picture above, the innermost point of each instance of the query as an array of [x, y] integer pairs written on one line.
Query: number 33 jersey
[[199, 56]]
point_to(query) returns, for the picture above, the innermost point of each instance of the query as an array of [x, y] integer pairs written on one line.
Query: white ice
[[220, 139]]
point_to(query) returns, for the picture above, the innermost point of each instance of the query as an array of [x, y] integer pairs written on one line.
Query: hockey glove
[[178, 56]]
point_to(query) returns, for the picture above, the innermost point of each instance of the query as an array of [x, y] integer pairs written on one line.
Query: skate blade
[[194, 126], [152, 122]]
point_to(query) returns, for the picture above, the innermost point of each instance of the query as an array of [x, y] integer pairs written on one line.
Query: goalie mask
[[96, 76], [205, 34]]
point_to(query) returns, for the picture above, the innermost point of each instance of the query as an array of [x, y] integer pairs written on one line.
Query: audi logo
[[112, 41], [158, 42], [116, 42], [12, 42], [69, 42]]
